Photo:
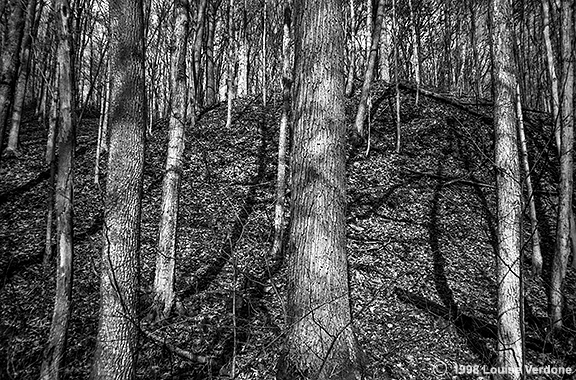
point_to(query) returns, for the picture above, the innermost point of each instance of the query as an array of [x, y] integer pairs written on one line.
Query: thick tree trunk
[[320, 343], [54, 352], [351, 55], [508, 259], [9, 59], [116, 342], [369, 74], [166, 257], [566, 169]]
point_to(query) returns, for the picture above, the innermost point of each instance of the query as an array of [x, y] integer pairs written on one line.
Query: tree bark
[[535, 235], [279, 213], [116, 342], [562, 253], [166, 257], [211, 86], [9, 59], [369, 74], [54, 352], [320, 342], [20, 91], [231, 64], [415, 50], [508, 259]]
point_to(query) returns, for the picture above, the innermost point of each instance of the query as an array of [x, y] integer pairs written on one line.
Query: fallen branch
[[450, 180], [176, 350]]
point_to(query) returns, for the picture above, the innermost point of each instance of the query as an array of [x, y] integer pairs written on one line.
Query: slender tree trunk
[[50, 160], [231, 64], [242, 87], [279, 213], [264, 54], [566, 169], [115, 355], [535, 235], [320, 343], [166, 257], [211, 86], [9, 59], [351, 56], [396, 76], [369, 74], [55, 350], [508, 259], [19, 94], [555, 100], [415, 51]]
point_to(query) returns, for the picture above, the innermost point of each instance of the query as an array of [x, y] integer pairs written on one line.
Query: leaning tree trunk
[[20, 89], [508, 258], [369, 74], [166, 257], [116, 342], [10, 58], [54, 353], [566, 170], [320, 343]]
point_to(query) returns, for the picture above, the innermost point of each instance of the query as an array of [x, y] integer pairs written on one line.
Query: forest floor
[[421, 235]]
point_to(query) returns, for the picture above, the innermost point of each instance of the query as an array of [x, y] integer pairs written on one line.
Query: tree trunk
[[279, 213], [243, 48], [535, 235], [54, 352], [166, 257], [14, 136], [566, 169], [211, 86], [369, 74], [508, 259], [116, 342], [264, 54], [351, 55], [320, 343], [396, 75], [415, 51], [231, 64], [9, 59]]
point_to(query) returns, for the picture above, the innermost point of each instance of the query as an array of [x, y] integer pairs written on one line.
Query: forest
[[287, 189]]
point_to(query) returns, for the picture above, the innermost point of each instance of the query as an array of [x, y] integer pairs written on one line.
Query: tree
[[508, 256], [9, 59], [54, 352], [562, 253], [166, 257], [361, 113], [115, 354], [320, 343]]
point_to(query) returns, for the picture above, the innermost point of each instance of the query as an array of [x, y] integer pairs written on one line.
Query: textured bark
[[14, 136], [116, 342], [279, 214], [369, 74], [555, 100], [166, 257], [320, 343], [9, 59], [54, 353], [562, 253], [211, 86], [396, 75], [243, 48], [508, 259], [231, 64]]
